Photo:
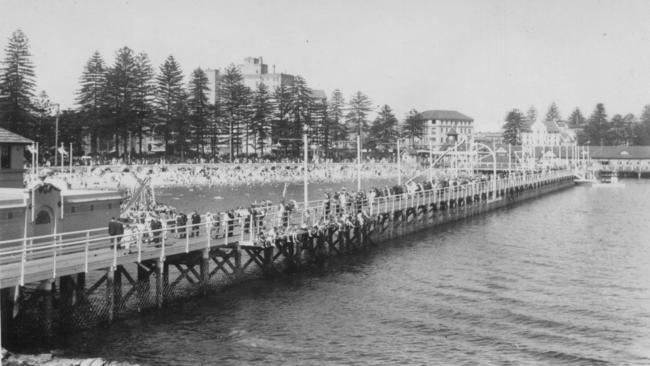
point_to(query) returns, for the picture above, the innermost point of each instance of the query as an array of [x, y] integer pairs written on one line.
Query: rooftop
[[444, 115], [619, 152], [13, 138]]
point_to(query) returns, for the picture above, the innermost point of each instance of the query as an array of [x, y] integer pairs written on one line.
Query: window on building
[[5, 156]]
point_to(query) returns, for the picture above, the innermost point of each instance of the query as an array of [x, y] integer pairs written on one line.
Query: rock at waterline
[[47, 359]]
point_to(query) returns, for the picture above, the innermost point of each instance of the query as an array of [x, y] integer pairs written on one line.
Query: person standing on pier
[[181, 221], [114, 231], [196, 220]]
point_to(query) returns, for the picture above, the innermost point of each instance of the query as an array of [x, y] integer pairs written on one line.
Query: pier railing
[[41, 257]]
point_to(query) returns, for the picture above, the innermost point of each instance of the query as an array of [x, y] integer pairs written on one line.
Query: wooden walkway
[[44, 279], [64, 254]]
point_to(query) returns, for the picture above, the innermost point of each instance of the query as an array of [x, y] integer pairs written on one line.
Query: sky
[[479, 57]]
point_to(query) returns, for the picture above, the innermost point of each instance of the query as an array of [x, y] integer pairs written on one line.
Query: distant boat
[[585, 178], [608, 179]]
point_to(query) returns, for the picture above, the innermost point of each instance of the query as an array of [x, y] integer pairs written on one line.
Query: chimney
[[274, 68]]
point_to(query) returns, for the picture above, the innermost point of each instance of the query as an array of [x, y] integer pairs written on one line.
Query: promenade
[[75, 266]]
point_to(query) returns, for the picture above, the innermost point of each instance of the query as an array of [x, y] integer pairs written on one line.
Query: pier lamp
[[494, 166], [56, 133]]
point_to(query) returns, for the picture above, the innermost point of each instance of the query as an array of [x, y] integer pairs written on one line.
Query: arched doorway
[[44, 221]]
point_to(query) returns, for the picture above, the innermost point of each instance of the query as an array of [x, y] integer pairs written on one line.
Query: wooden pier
[[70, 280]]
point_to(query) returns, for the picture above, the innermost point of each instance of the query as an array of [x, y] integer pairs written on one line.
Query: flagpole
[[359, 162], [56, 131], [305, 177], [61, 152], [399, 165], [33, 151], [71, 158]]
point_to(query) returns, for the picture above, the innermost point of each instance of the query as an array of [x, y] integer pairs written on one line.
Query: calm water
[[564, 279], [213, 199]]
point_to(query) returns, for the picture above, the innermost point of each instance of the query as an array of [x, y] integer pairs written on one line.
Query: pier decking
[[58, 279]]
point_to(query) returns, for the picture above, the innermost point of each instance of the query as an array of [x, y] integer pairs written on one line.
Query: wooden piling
[[237, 254], [160, 268], [143, 285], [117, 287], [165, 278], [205, 270], [8, 306], [268, 259], [346, 240], [66, 284], [48, 307], [81, 287], [297, 251], [110, 294]]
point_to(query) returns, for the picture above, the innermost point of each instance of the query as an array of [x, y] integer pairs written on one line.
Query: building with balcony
[[441, 126], [547, 133]]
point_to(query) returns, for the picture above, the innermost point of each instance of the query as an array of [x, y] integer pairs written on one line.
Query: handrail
[[250, 224]]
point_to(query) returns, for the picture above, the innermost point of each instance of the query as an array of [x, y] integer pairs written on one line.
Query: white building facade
[[548, 133], [442, 126]]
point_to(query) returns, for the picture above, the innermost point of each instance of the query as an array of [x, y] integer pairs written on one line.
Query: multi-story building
[[443, 125], [254, 71], [547, 133]]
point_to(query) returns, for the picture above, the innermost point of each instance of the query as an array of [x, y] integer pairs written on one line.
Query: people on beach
[[127, 178]]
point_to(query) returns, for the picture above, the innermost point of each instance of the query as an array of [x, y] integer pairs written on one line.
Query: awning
[[12, 204], [91, 199]]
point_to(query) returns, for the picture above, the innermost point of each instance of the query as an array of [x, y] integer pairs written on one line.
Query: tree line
[[598, 129], [120, 105]]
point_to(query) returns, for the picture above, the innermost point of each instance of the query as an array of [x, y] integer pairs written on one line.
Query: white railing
[[46, 251]]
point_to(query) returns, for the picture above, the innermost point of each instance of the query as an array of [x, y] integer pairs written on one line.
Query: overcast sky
[[479, 57]]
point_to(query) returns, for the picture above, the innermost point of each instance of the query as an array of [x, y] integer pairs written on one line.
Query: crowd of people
[[126, 178], [263, 222]]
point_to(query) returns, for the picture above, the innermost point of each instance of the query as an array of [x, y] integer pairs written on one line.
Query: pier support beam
[[8, 306], [81, 287], [110, 294], [268, 260], [205, 270], [345, 244], [160, 269], [67, 286], [117, 288], [48, 307], [297, 251], [237, 254], [143, 275]]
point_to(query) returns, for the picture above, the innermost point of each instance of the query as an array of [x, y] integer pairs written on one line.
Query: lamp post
[[56, 134], [359, 161], [494, 167], [305, 177], [399, 164], [430, 158], [509, 160]]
